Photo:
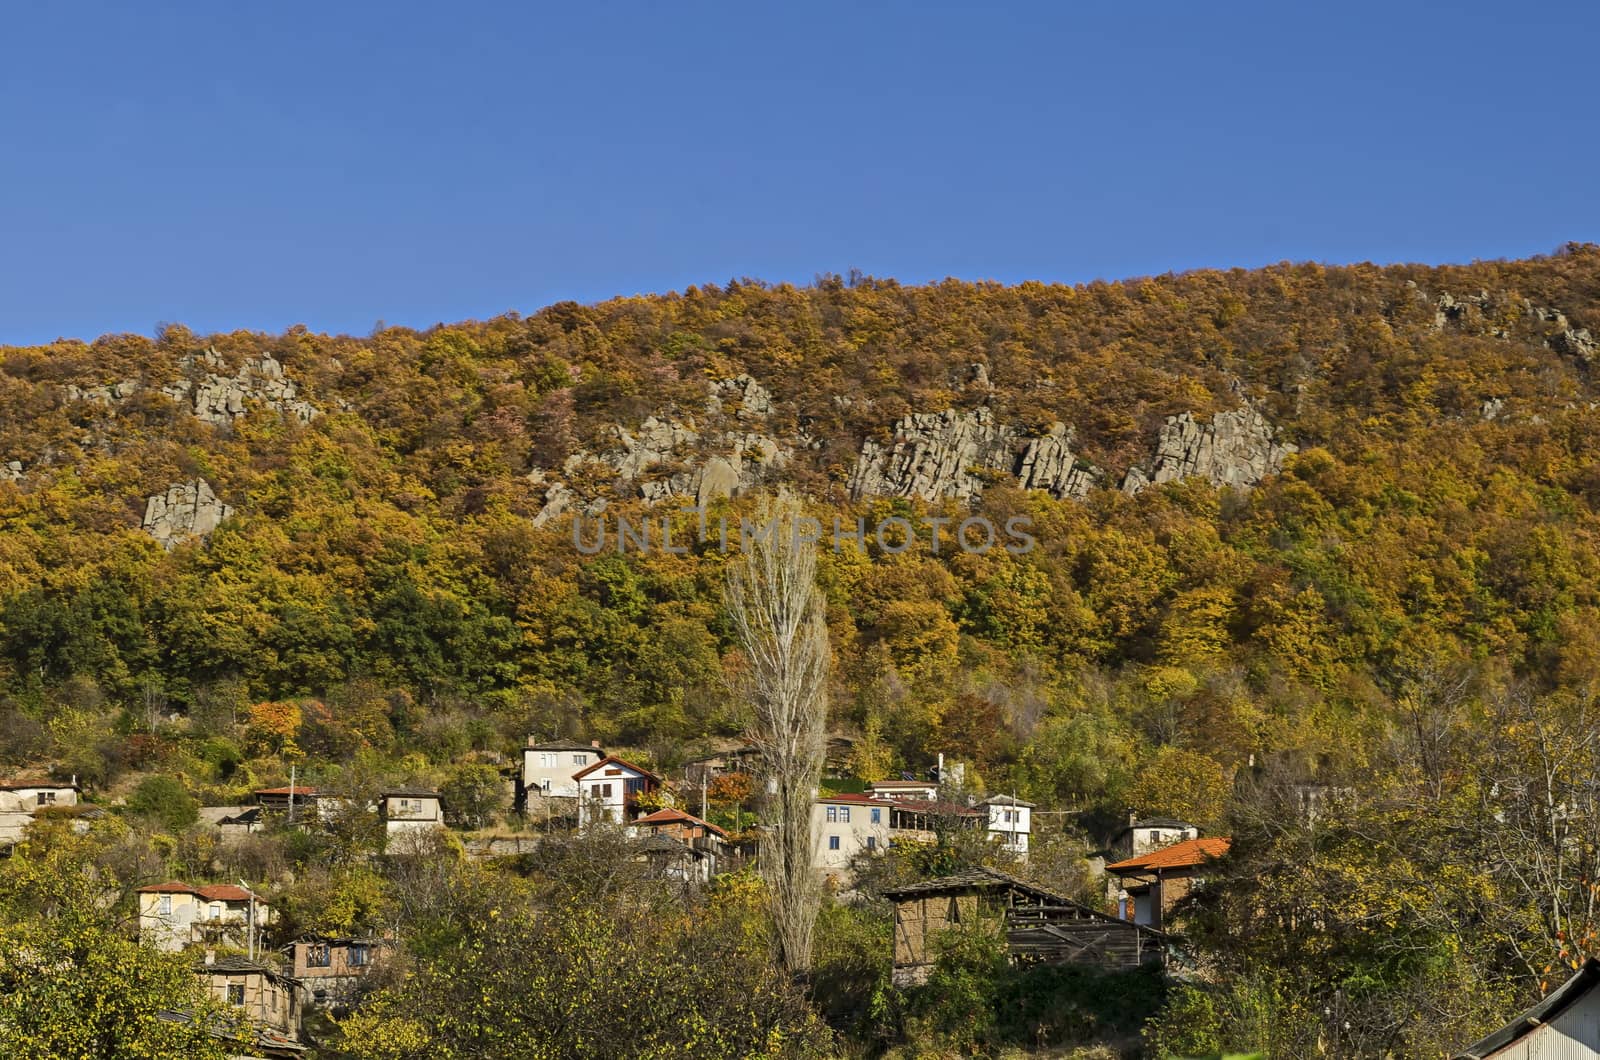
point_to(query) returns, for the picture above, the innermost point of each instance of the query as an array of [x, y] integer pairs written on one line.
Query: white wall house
[[609, 790], [548, 768], [843, 826], [175, 914], [1140, 837], [21, 799], [1010, 821], [411, 810], [1565, 1025]]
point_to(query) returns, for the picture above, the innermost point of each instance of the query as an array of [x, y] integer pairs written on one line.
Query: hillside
[[395, 529], [1300, 529]]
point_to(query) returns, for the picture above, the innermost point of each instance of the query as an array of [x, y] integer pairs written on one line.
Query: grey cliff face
[[213, 397], [1237, 448], [186, 509]]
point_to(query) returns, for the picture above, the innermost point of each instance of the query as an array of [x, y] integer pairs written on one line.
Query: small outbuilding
[[1039, 925], [1563, 1026]]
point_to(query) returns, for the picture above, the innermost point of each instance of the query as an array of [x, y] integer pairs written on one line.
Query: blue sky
[[258, 165]]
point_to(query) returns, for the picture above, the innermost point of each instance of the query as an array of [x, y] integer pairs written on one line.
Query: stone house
[[1153, 883], [174, 915], [21, 798]]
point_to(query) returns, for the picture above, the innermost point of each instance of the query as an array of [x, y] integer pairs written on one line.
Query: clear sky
[[257, 165]]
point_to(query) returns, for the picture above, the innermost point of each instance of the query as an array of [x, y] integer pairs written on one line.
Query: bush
[[163, 801]]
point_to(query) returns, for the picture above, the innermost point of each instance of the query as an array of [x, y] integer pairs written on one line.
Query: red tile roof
[[673, 815], [224, 892], [1187, 854], [286, 790], [856, 800], [170, 887], [938, 809]]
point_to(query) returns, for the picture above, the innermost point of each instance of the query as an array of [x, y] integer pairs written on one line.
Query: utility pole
[[250, 930], [291, 792]]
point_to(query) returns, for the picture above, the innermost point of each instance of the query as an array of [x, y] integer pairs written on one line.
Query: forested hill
[[1267, 503]]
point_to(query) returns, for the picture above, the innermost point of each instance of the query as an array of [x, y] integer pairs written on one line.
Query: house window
[[844, 814], [358, 954], [833, 814], [46, 798], [580, 760], [318, 956], [166, 905], [235, 993], [877, 816], [605, 791], [833, 842], [547, 761], [544, 785], [872, 842]]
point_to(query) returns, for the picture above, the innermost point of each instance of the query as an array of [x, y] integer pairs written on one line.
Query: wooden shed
[[1039, 925]]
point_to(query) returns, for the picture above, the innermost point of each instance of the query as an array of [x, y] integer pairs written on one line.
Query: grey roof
[[1005, 800], [234, 965], [1582, 981], [665, 844], [564, 745]]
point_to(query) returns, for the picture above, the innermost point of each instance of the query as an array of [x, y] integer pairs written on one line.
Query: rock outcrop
[[1237, 448], [662, 458], [213, 397], [750, 397], [1050, 465], [11, 471], [187, 509], [936, 454]]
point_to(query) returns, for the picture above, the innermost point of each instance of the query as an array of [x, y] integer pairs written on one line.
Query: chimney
[[532, 739], [595, 744], [211, 956]]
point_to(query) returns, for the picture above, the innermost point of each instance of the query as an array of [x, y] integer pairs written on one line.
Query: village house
[[609, 790], [270, 1000], [1010, 822], [706, 840], [1153, 883], [174, 915], [675, 859], [1039, 925], [1143, 836], [843, 826], [1565, 1025], [331, 969], [546, 784], [22, 798], [410, 810]]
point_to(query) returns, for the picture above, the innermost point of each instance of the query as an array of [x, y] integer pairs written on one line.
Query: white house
[[21, 799], [1137, 837], [411, 810], [175, 914], [1563, 1026], [548, 768], [843, 826], [1010, 821], [609, 790]]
